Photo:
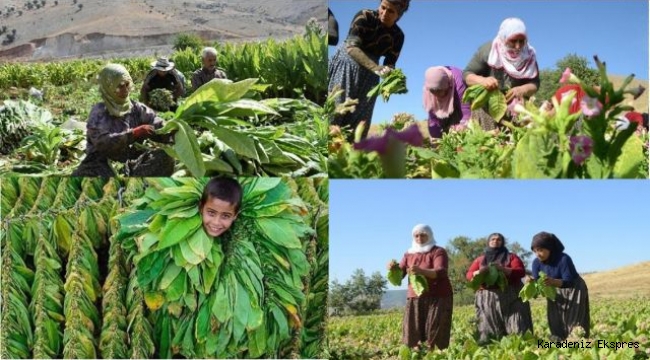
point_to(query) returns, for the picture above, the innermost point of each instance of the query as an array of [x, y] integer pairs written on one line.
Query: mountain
[[48, 29]]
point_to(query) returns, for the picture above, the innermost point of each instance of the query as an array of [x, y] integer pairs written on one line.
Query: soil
[[126, 28]]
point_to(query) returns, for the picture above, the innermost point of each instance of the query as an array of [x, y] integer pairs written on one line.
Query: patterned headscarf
[[110, 78], [422, 248], [402, 5], [520, 66], [439, 78]]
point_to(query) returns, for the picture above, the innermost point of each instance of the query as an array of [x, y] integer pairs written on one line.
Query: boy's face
[[217, 216]]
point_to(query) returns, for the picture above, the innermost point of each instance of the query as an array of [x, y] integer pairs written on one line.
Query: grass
[[623, 282]]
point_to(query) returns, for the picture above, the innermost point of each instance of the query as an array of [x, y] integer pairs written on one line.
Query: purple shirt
[[461, 112]]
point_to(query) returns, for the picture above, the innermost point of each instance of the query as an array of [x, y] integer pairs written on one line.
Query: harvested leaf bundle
[[478, 96], [537, 288], [419, 284], [235, 295], [393, 83], [490, 278], [17, 120], [161, 99], [395, 274]]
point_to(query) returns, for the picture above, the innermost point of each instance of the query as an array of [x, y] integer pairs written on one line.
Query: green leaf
[[279, 231], [171, 272], [395, 276], [177, 288], [242, 309], [497, 105], [203, 321], [217, 165], [259, 186], [221, 309], [630, 159], [189, 255], [200, 243], [209, 275], [242, 144], [217, 90], [246, 107], [176, 230], [418, 283], [187, 148]]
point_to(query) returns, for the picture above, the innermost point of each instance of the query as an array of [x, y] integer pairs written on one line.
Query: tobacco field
[[379, 336], [267, 119]]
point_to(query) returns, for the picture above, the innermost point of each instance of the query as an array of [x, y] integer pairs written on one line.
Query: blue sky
[[602, 224], [450, 32]]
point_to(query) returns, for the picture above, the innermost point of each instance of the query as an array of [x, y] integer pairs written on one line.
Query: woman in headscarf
[[499, 312], [507, 63], [443, 91], [115, 125], [355, 66], [571, 306], [427, 319]]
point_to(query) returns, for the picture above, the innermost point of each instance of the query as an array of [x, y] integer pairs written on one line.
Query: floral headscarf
[[110, 78], [520, 66]]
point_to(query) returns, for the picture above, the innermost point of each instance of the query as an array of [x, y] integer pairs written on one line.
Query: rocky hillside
[[49, 29]]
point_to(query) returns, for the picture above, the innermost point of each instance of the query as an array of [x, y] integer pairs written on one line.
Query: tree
[[360, 294], [184, 41], [550, 79]]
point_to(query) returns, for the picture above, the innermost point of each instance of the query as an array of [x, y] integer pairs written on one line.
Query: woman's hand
[[516, 92], [391, 264], [502, 268], [415, 270], [552, 282], [528, 279], [383, 71], [481, 270], [489, 83]]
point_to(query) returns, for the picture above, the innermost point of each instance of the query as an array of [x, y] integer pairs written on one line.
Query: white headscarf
[[426, 247], [522, 66]]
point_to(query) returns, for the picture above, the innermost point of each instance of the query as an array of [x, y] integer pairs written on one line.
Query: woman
[[508, 63], [354, 67], [115, 125], [443, 91], [427, 318], [571, 306], [499, 312]]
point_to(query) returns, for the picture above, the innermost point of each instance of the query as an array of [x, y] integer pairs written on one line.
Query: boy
[[219, 205]]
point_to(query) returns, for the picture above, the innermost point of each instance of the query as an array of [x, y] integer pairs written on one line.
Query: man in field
[[209, 70]]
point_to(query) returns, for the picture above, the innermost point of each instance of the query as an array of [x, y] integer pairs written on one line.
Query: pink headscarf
[[521, 66], [439, 78]]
